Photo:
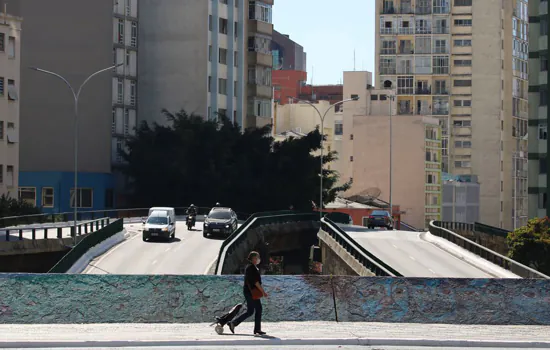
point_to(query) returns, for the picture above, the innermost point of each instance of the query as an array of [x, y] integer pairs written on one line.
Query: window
[[210, 22], [133, 93], [351, 158], [222, 56], [2, 42], [120, 31], [1, 130], [543, 96], [463, 144], [383, 97], [259, 43], [84, 198], [126, 122], [463, 22], [1, 174], [338, 129], [462, 103], [351, 137], [9, 176], [12, 90], [133, 42], [11, 47], [259, 75], [259, 11], [374, 97], [543, 63], [209, 83], [113, 121], [463, 164], [542, 200], [120, 90], [1, 87], [236, 29], [222, 86], [543, 166], [236, 59], [462, 83], [222, 113], [543, 132], [209, 53], [47, 197], [463, 2], [405, 85], [463, 42], [28, 195], [463, 63], [441, 65], [11, 133], [441, 87], [543, 26], [462, 123], [223, 26]]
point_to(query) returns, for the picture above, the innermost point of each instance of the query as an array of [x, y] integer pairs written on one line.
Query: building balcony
[[423, 91], [260, 59], [404, 110], [440, 50], [423, 30], [406, 50], [441, 30], [388, 51], [388, 11], [440, 92], [423, 10], [388, 71], [261, 91], [406, 31], [440, 111], [260, 27], [388, 31]]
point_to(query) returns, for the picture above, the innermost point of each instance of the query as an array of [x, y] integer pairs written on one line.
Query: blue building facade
[[53, 190]]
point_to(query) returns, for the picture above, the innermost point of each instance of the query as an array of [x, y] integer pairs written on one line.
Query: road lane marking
[[167, 249], [154, 262], [432, 271], [412, 258], [394, 245], [104, 256]]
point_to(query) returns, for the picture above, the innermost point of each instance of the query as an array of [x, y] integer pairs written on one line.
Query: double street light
[[322, 117], [76, 96]]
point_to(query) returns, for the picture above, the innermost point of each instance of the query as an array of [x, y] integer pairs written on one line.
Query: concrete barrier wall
[[66, 298]]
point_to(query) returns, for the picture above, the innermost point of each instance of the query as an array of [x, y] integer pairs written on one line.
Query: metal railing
[[86, 244], [437, 229], [266, 218], [12, 222], [83, 228], [366, 258]]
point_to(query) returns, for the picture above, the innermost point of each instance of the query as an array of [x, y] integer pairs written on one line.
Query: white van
[[161, 223]]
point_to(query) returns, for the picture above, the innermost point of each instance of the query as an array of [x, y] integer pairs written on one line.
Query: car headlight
[[165, 229], [226, 226], [205, 224]]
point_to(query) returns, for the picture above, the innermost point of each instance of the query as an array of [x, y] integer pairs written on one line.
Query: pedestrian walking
[[253, 293]]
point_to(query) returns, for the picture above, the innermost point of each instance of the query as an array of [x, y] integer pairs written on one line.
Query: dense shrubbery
[[530, 244], [13, 207], [204, 162]]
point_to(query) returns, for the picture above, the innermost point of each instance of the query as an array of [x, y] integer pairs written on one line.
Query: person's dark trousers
[[251, 307]]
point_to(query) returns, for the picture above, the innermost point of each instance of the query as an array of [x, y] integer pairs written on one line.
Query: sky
[[329, 34]]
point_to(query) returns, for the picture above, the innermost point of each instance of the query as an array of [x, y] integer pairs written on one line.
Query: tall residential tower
[[465, 63]]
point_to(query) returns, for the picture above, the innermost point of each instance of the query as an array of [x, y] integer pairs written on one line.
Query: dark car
[[340, 218], [220, 222], [380, 218]]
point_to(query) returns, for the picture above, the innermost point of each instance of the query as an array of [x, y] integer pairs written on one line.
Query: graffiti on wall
[[67, 298]]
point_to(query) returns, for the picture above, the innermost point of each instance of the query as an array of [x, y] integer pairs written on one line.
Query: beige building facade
[[464, 62], [416, 148], [10, 65]]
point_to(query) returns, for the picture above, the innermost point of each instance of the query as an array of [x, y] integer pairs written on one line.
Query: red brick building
[[287, 83]]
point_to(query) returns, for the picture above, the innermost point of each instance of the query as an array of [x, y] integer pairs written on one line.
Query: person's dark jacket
[[251, 276], [192, 211]]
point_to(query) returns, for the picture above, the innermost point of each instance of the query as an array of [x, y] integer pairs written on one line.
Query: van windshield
[[157, 220]]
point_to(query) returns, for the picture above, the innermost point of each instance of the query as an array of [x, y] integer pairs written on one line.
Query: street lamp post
[[391, 155], [76, 96], [322, 117]]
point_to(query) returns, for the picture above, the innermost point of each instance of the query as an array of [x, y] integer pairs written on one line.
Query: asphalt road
[[412, 256], [188, 254]]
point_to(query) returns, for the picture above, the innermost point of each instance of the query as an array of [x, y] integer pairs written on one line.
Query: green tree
[[530, 244], [14, 207], [193, 160]]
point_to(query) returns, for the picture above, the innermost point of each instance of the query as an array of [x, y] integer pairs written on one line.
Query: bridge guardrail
[[406, 227], [369, 260], [82, 227], [437, 229], [12, 222], [254, 221], [88, 242]]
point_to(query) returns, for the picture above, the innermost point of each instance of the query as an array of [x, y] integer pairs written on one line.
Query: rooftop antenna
[[5, 13], [312, 94], [354, 60]]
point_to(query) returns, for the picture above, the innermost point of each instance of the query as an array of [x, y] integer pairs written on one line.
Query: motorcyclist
[[217, 205], [192, 211]]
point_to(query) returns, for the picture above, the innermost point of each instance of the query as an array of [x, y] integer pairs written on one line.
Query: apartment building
[[206, 57], [75, 48], [259, 63], [465, 63], [10, 82], [539, 181], [416, 150]]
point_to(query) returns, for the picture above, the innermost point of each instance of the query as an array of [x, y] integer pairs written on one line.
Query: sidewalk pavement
[[279, 334]]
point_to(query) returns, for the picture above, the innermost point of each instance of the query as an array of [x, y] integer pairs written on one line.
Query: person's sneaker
[[231, 327], [259, 333]]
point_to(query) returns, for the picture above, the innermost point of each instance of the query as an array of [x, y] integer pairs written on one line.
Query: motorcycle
[[190, 222]]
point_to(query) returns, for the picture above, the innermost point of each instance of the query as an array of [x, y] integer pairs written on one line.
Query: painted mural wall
[[66, 298]]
